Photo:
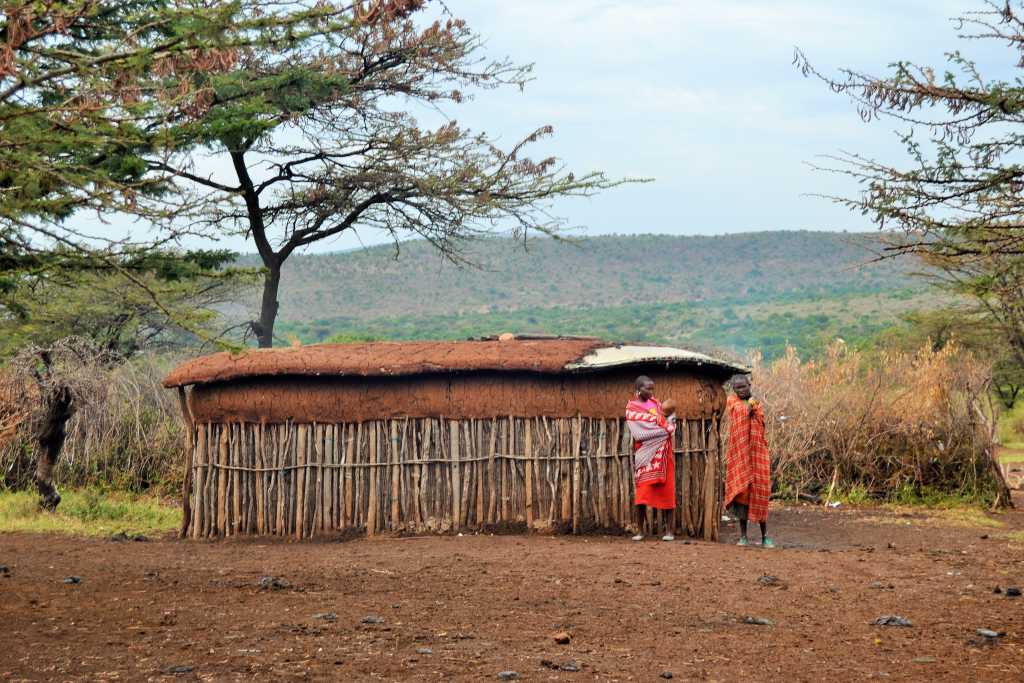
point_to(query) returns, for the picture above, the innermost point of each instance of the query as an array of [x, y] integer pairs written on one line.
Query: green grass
[[1012, 454], [88, 512], [1009, 420]]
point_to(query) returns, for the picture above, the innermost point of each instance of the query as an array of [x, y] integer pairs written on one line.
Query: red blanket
[[747, 463], [652, 442]]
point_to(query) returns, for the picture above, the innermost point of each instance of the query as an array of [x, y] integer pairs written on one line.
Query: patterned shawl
[[652, 442], [747, 464]]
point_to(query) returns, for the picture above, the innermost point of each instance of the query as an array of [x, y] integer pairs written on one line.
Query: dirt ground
[[470, 607]]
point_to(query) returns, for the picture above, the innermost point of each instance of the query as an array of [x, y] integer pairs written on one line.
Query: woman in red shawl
[[654, 470], [748, 482]]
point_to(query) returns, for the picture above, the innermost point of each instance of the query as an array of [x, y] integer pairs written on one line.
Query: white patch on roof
[[611, 356]]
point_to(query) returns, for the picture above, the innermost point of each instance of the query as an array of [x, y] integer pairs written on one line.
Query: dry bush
[[883, 423], [126, 431]]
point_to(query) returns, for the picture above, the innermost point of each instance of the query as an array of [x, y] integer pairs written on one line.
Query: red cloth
[[747, 463], [656, 487]]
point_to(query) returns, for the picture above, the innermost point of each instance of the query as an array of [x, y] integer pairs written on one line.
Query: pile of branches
[[882, 423], [76, 414]]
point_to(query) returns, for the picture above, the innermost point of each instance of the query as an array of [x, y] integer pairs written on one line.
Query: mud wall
[[476, 395]]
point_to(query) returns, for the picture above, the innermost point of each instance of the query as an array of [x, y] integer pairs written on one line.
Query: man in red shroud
[[748, 480]]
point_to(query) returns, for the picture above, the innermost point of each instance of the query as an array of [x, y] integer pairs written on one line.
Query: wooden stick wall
[[436, 475]]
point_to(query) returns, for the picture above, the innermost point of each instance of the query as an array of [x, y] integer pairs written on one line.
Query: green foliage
[[151, 299]]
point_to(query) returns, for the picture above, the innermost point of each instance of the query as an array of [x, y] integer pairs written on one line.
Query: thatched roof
[[377, 359]]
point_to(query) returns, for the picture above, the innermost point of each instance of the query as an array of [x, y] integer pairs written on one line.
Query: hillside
[[743, 292]]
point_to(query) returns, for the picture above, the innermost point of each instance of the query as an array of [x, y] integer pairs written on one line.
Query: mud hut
[[436, 436]]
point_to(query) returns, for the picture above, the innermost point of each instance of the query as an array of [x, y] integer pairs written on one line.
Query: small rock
[[570, 666], [892, 546], [833, 589], [547, 663], [139, 538], [119, 537], [989, 633], [424, 651], [180, 669], [326, 616], [997, 590], [562, 638], [5, 570], [667, 675], [1012, 592], [923, 660], [273, 583], [618, 580], [758, 621], [768, 580], [983, 537], [372, 619], [508, 675], [73, 579], [892, 620]]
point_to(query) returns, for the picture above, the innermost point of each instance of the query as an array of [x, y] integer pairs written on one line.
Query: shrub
[[887, 424], [127, 432]]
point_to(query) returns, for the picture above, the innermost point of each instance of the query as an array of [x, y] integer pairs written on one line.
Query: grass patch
[[88, 512], [1016, 537], [970, 518], [1012, 453], [1010, 423]]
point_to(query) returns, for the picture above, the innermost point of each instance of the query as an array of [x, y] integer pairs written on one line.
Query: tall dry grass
[[885, 423], [126, 433]]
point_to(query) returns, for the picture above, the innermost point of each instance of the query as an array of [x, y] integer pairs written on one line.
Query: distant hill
[[741, 292]]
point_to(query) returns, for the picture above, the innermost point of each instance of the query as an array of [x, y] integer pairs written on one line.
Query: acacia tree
[[959, 202], [320, 141], [84, 96]]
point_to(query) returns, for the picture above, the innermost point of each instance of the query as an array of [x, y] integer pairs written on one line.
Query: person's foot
[[668, 537], [743, 541], [767, 542], [638, 537]]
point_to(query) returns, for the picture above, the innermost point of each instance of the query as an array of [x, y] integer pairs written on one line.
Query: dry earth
[[470, 607]]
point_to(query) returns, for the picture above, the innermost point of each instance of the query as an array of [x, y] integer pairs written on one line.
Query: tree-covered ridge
[[595, 271], [744, 292]]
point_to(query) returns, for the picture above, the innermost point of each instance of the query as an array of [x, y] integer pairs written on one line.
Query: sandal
[[743, 541], [767, 542]]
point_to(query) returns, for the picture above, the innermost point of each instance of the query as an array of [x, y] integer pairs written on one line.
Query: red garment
[[747, 463], [656, 484]]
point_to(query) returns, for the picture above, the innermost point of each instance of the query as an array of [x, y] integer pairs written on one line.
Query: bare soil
[[470, 607]]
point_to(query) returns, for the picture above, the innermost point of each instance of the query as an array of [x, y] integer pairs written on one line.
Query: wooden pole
[[186, 484], [577, 496], [199, 481], [396, 477], [453, 439], [371, 514], [528, 452]]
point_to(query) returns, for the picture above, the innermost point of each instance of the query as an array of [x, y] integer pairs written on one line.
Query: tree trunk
[[51, 437], [264, 327]]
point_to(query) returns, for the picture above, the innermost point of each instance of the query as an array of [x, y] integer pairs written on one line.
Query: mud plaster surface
[[385, 358], [476, 395]]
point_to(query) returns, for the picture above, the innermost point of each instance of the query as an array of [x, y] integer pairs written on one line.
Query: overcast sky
[[703, 97]]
